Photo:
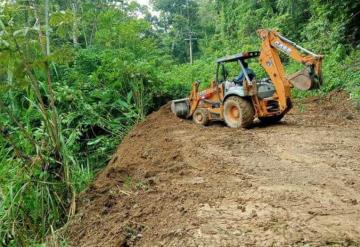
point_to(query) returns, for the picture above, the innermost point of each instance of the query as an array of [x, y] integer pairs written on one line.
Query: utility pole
[[190, 39]]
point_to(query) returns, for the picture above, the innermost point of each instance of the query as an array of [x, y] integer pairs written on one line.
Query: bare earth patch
[[174, 183]]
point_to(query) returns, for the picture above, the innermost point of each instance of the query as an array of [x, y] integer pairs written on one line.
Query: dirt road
[[174, 183]]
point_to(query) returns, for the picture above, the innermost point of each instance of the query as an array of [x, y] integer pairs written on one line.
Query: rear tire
[[238, 112], [201, 116], [272, 119]]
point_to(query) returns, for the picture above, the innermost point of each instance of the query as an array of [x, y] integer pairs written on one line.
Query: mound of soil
[[174, 183]]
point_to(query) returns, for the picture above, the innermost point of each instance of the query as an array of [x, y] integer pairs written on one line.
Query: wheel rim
[[233, 113], [199, 117]]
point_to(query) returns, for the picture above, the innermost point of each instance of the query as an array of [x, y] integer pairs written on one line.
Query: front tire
[[238, 112], [201, 116]]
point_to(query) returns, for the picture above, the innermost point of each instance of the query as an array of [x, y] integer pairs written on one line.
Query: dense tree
[[72, 85], [179, 25]]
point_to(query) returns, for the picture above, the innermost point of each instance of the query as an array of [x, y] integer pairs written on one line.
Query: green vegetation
[[77, 75]]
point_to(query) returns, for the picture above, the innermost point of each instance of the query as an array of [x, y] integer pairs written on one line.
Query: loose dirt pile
[[174, 183]]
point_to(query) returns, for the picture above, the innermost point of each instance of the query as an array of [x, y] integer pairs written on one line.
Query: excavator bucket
[[306, 79], [181, 107]]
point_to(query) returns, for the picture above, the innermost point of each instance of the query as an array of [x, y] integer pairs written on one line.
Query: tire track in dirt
[[174, 183]]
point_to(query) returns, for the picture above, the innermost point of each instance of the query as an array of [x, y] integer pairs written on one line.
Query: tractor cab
[[229, 67], [222, 72]]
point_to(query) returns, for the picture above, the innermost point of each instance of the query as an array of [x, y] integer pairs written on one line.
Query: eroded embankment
[[173, 183]]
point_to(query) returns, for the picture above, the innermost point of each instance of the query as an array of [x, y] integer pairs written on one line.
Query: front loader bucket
[[181, 107], [306, 79]]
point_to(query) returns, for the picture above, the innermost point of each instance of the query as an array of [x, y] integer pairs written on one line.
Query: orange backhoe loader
[[267, 99]]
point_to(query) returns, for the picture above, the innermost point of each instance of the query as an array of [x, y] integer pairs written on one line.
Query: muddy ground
[[174, 183]]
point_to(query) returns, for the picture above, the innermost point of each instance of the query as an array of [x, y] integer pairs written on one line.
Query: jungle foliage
[[76, 75]]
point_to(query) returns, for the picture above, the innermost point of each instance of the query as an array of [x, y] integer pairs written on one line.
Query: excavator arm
[[306, 79]]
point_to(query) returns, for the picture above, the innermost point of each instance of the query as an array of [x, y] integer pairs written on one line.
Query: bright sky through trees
[[145, 2]]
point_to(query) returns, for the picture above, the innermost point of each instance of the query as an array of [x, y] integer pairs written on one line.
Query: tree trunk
[[47, 34], [75, 30]]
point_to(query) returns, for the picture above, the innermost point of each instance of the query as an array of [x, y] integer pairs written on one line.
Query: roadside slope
[[174, 183]]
